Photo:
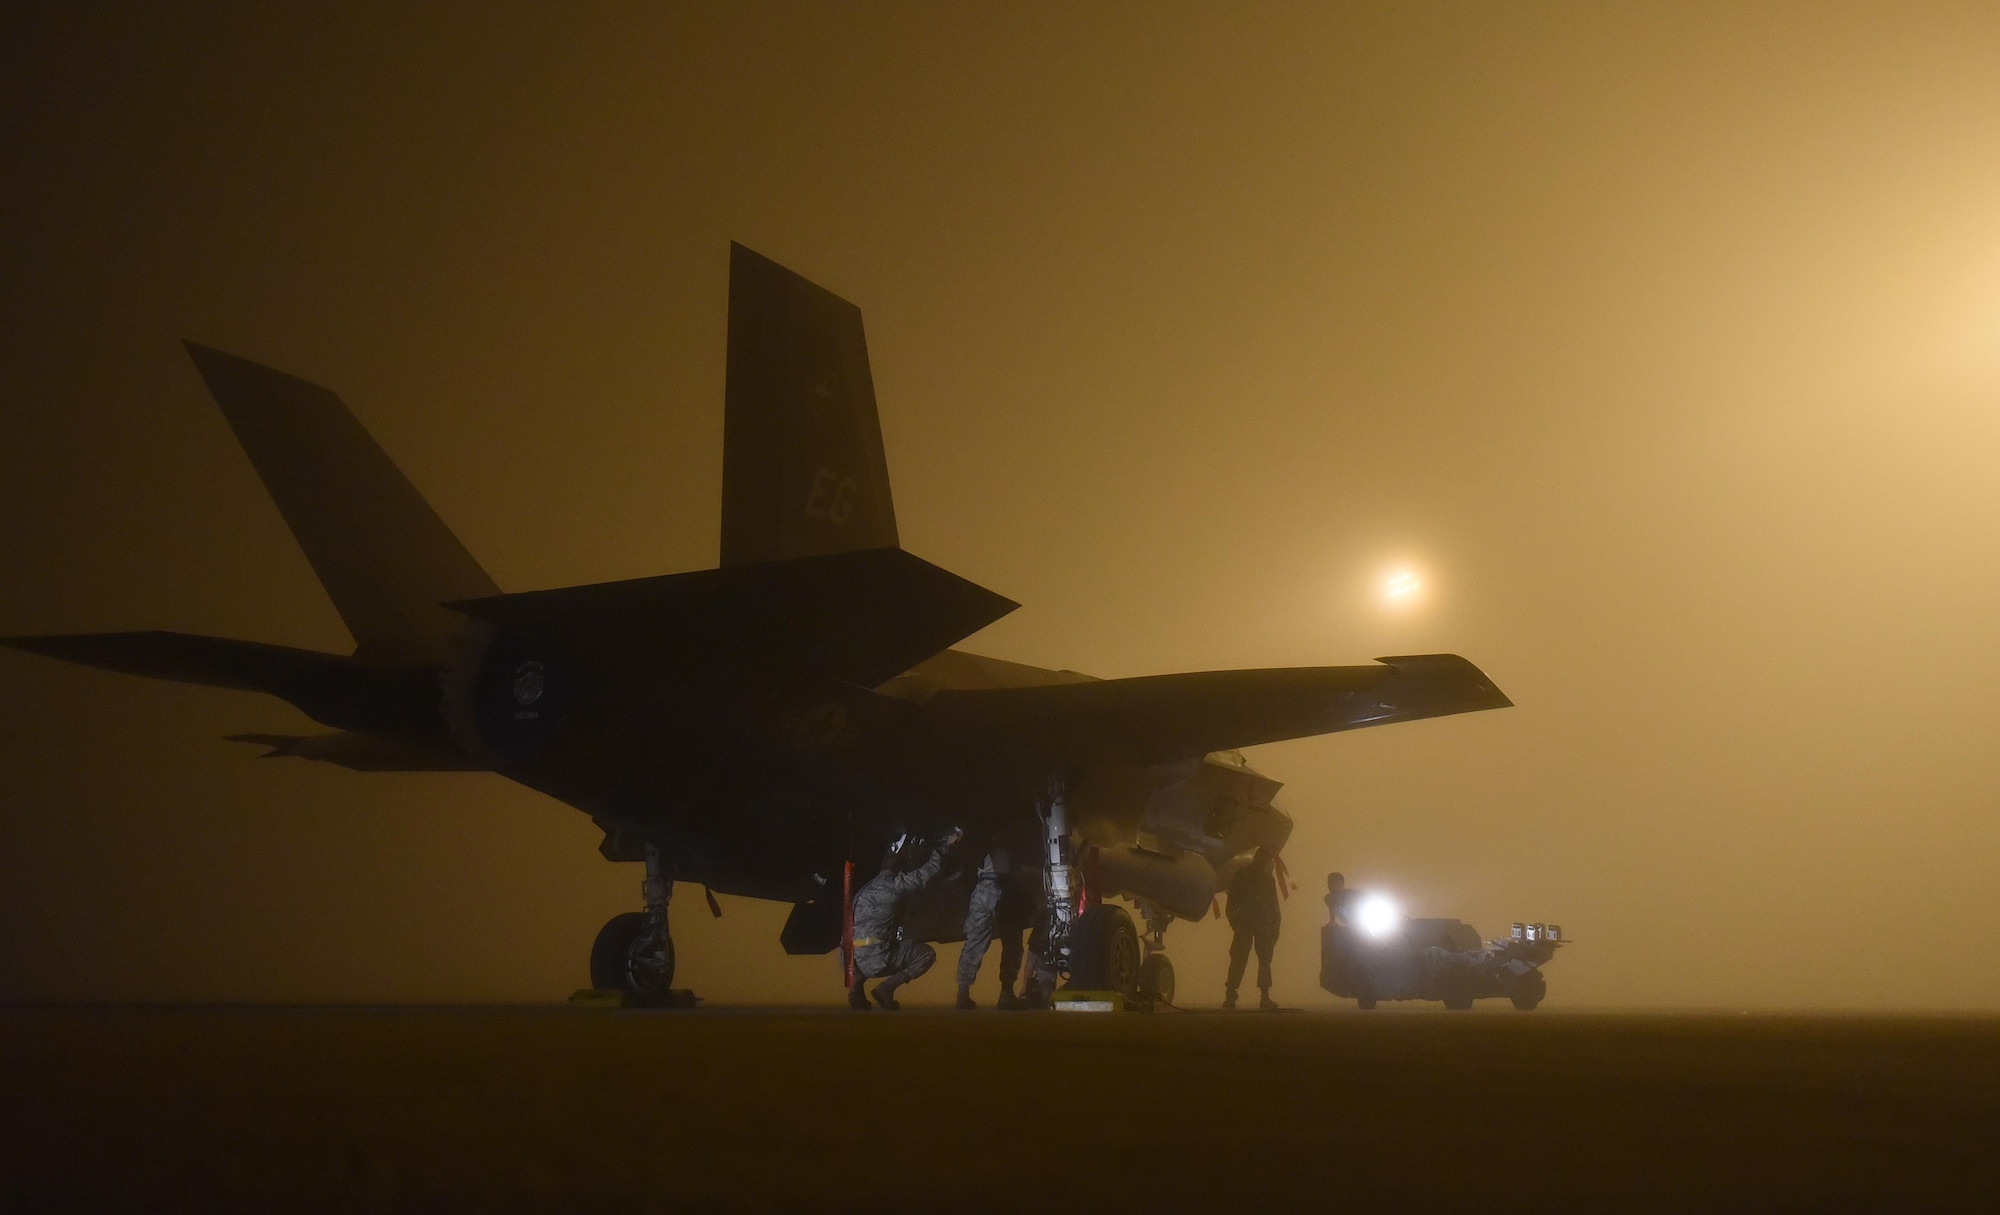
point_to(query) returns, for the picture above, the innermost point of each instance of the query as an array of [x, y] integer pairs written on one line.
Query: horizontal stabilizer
[[360, 751], [859, 617], [328, 688], [1160, 718]]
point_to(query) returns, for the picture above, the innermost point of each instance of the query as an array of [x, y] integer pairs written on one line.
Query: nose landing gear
[[1156, 979], [1156, 972]]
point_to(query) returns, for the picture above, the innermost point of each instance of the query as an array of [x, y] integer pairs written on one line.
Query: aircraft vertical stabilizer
[[385, 558], [803, 472]]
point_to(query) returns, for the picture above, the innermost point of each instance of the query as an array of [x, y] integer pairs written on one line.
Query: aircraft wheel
[[622, 959], [1104, 951], [1156, 978], [1528, 993]]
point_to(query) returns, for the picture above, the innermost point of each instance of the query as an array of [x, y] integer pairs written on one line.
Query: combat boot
[[1009, 1001], [1229, 998], [1265, 1002], [885, 997], [965, 1003], [857, 999]]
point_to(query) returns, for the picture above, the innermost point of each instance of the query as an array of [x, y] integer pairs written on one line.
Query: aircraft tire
[[1104, 951], [1156, 978], [611, 966]]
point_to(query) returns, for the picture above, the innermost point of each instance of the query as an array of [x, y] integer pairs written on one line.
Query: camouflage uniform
[[1253, 915], [995, 905], [880, 952]]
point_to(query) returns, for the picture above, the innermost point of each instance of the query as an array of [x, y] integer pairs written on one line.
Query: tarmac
[[553, 1108]]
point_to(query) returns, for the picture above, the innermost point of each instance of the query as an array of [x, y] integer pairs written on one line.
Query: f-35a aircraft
[[760, 727]]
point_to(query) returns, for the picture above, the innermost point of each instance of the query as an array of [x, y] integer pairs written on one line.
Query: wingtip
[[212, 362], [49, 645], [280, 744], [1454, 668], [208, 361]]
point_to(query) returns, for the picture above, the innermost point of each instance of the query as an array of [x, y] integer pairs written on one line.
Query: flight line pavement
[[510, 1108]]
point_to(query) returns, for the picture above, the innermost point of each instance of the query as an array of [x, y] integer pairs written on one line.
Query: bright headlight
[[1377, 915]]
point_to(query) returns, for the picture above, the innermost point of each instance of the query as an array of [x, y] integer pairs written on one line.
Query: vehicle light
[[1377, 915]]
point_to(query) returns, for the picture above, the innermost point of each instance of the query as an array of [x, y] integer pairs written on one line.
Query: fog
[[1663, 341]]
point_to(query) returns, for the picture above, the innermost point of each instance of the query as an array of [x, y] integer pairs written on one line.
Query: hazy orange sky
[[1665, 339]]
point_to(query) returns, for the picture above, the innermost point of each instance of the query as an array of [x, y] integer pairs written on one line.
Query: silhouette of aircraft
[[762, 727]]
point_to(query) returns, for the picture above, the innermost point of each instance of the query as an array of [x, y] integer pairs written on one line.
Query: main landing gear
[[1104, 951], [1099, 949], [1059, 915], [634, 953]]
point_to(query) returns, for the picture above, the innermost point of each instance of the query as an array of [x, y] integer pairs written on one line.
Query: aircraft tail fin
[[386, 559], [803, 474]]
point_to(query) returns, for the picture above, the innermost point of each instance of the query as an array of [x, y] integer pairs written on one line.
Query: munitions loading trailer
[[1437, 960]]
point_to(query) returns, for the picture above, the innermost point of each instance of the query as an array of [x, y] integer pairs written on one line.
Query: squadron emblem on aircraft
[[528, 683]]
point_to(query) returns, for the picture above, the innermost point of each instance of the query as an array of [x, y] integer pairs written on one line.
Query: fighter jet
[[765, 727]]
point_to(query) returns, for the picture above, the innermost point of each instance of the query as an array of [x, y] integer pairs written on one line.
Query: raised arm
[[912, 880]]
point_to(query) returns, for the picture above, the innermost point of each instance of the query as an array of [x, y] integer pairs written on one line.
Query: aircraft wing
[[1159, 718]]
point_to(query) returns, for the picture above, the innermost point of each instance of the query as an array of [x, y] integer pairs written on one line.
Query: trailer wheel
[[1529, 992], [1457, 990]]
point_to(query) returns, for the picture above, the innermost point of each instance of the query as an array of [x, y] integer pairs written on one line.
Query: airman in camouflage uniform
[[996, 906], [1254, 919], [880, 951]]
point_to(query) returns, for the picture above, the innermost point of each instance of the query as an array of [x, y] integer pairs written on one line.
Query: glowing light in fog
[[1377, 915], [1401, 589]]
